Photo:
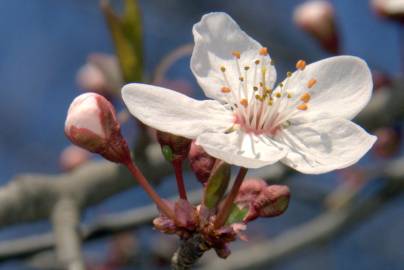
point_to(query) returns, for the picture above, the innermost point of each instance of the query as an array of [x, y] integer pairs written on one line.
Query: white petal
[[242, 149], [216, 36], [172, 112], [325, 145], [344, 86]]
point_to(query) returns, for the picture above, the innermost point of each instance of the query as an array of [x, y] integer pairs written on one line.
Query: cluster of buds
[[201, 163]]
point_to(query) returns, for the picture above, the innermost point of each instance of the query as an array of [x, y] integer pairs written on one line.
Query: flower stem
[[141, 179], [226, 209], [177, 164]]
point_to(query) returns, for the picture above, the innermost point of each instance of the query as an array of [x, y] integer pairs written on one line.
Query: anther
[[223, 69], [278, 95], [236, 54], [302, 107], [305, 97], [241, 79], [225, 89], [246, 68], [311, 83], [255, 88], [301, 64], [263, 51], [289, 95], [288, 74], [257, 62], [244, 102], [270, 102]]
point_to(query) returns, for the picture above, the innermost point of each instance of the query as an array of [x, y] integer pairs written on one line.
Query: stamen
[[222, 69], [263, 51], [257, 62], [305, 97], [278, 95], [236, 54], [246, 68], [289, 95], [311, 83], [241, 79], [255, 88], [225, 89], [288, 74], [302, 107], [301, 64], [244, 102]]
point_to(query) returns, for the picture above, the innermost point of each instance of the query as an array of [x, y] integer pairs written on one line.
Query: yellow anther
[[311, 83], [302, 107], [263, 51], [241, 79], [258, 97], [257, 62], [222, 68], [289, 95], [246, 68], [301, 64], [288, 74], [236, 54], [278, 95], [270, 102], [280, 84], [244, 102], [225, 89], [261, 84], [255, 88], [305, 97]]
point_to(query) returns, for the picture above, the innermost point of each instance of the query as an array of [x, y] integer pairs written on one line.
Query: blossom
[[304, 122]]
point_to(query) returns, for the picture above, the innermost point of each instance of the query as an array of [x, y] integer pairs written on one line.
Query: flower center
[[258, 108]]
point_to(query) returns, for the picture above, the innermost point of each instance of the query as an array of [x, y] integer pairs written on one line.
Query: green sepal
[[217, 184], [236, 215], [167, 153]]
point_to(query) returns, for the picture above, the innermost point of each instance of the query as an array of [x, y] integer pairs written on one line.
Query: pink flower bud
[[174, 147], [249, 191], [201, 163], [72, 157], [100, 74], [91, 124], [391, 9], [317, 18]]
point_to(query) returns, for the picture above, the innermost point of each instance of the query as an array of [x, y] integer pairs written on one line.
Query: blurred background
[[44, 46]]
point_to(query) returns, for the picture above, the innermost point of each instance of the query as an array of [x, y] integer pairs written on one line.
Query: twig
[[189, 252], [65, 220]]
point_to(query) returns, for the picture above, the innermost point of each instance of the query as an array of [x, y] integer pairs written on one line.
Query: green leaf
[[217, 184], [236, 215], [126, 32], [167, 153]]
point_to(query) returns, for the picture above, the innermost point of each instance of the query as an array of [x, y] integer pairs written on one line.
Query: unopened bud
[[391, 9], [91, 124], [317, 18], [185, 214], [164, 225], [100, 74], [173, 147], [273, 201], [72, 157], [201, 163]]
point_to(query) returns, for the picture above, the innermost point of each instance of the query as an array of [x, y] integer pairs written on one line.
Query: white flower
[[303, 122]]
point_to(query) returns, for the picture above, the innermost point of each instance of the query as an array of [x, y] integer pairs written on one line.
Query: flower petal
[[343, 87], [325, 145], [216, 36], [242, 149], [172, 112]]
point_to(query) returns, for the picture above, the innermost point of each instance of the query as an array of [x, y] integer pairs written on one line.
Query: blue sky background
[[43, 43]]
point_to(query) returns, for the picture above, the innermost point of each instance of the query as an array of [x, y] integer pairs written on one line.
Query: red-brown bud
[[262, 200], [388, 142], [201, 163], [174, 147], [91, 123], [317, 18], [390, 9]]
